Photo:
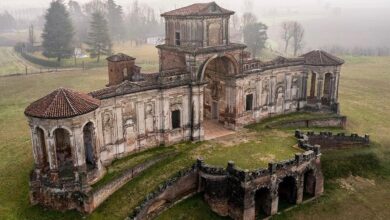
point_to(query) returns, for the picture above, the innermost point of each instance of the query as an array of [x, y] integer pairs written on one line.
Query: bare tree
[[248, 18], [286, 35], [297, 35], [292, 30]]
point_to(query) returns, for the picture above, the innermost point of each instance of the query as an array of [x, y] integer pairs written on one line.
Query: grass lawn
[[250, 150], [364, 96], [10, 63]]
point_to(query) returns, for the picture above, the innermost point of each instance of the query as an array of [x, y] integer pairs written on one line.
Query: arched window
[[89, 145], [41, 145], [63, 151]]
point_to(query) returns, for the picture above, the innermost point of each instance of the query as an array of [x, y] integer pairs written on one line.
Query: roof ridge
[[67, 100], [320, 52], [52, 100]]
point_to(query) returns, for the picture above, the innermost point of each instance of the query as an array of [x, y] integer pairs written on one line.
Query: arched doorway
[[63, 152], [41, 145], [309, 184], [262, 203], [89, 145], [214, 73], [287, 192], [327, 89]]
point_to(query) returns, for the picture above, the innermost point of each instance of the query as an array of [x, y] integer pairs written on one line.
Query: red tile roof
[[199, 9], [62, 103], [321, 58]]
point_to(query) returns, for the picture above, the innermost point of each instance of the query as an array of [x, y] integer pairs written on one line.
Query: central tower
[[197, 41]]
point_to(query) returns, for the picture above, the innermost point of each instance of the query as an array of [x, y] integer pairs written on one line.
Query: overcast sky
[[4, 4]]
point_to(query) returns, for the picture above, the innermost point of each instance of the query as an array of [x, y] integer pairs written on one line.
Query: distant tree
[[255, 36], [248, 18], [115, 19], [95, 6], [31, 35], [99, 41], [80, 21], [292, 30], [286, 34], [58, 32], [7, 21], [297, 35]]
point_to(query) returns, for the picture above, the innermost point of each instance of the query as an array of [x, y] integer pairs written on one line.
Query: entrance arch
[[214, 72], [63, 152], [41, 144], [263, 202], [287, 192]]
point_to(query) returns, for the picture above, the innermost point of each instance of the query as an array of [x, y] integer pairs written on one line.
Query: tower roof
[[120, 57], [62, 103], [321, 58], [199, 9]]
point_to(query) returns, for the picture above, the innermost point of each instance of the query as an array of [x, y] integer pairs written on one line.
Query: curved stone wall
[[238, 193]]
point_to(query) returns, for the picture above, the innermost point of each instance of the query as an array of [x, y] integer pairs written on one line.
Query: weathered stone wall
[[97, 196], [198, 32], [328, 140], [139, 121], [183, 184], [335, 122]]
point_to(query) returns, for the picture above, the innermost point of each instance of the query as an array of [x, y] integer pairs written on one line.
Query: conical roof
[[62, 103]]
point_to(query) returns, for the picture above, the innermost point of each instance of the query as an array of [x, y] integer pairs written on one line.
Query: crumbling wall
[[328, 140]]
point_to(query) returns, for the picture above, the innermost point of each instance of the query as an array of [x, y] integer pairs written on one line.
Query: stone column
[[304, 87], [196, 110], [319, 88], [249, 212], [332, 89], [300, 182], [274, 195]]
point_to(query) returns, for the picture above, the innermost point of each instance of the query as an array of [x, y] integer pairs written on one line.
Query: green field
[[10, 63], [364, 96]]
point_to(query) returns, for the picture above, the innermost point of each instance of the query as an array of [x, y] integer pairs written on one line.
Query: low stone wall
[[97, 196], [335, 121], [328, 140], [181, 185]]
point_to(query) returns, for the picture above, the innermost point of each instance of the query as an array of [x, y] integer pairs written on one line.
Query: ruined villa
[[202, 76]]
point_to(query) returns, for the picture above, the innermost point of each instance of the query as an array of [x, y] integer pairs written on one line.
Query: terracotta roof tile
[[62, 103], [199, 9], [321, 58]]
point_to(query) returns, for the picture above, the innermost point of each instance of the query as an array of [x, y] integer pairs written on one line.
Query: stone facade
[[203, 76]]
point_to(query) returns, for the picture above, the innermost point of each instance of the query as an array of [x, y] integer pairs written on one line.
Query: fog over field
[[347, 23]]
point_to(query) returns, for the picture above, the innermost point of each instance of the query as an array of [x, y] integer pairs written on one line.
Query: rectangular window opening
[[249, 102], [177, 39], [176, 119]]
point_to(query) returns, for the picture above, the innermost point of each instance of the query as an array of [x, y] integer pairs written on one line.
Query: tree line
[[96, 23]]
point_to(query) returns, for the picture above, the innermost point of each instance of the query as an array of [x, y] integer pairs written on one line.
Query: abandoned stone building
[[202, 77]]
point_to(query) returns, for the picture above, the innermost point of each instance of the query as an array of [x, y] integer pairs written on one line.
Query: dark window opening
[[177, 39], [249, 102], [88, 133], [176, 119]]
